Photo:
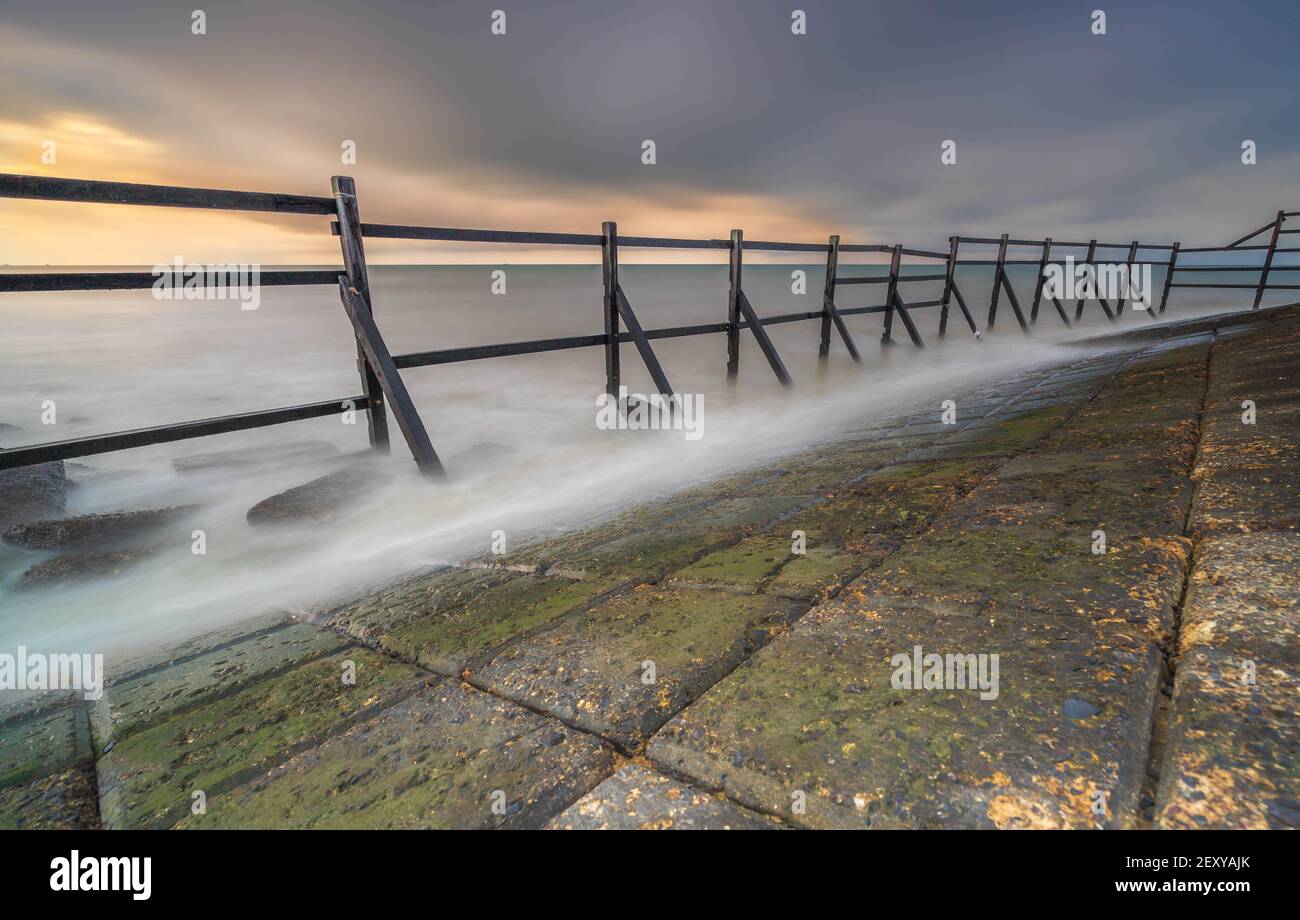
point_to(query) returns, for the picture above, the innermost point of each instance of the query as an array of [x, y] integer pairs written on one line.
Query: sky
[[1136, 133]]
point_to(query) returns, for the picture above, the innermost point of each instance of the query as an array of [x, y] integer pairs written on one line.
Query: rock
[[291, 452], [1076, 708], [31, 492], [79, 566], [94, 531], [320, 500]]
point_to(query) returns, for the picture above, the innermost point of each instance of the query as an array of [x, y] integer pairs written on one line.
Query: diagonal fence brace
[[764, 341], [389, 378]]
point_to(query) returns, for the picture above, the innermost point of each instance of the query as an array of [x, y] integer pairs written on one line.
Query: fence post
[[1128, 273], [1038, 286], [1169, 277], [733, 307], [1268, 259], [609, 273], [894, 259], [828, 294], [947, 285], [354, 263], [997, 281]]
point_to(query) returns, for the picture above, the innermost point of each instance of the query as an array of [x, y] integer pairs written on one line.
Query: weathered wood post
[[354, 263], [828, 294], [947, 285], [1169, 277], [1268, 259], [1128, 274], [609, 273], [891, 295], [997, 281], [733, 307], [1090, 261], [1038, 286]]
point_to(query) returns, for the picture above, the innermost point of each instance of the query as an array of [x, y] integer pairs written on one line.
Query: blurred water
[[119, 360]]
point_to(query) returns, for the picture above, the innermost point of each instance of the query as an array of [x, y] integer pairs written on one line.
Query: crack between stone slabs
[[694, 783], [468, 676], [287, 619], [465, 678], [84, 712], [170, 818], [1163, 710], [228, 688]]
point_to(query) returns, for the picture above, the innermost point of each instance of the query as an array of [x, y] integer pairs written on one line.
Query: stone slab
[[447, 757], [638, 798]]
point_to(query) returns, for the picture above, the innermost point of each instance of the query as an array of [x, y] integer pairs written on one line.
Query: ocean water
[[518, 435]]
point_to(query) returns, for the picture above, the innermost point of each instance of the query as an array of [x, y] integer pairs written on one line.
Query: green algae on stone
[[744, 566], [148, 778], [622, 667], [447, 757], [818, 572], [56, 801], [44, 735], [449, 641], [814, 729], [134, 703], [411, 598]]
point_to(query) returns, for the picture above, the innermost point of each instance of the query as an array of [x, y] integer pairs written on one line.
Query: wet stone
[[650, 553], [201, 644], [46, 734], [621, 668], [30, 493], [320, 501], [137, 702], [77, 567], [148, 779], [58, 801], [385, 609], [637, 798], [814, 729], [456, 638], [447, 757], [1234, 736], [96, 531]]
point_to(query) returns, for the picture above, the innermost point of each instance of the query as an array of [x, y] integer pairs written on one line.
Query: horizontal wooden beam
[[164, 434], [165, 196], [120, 281]]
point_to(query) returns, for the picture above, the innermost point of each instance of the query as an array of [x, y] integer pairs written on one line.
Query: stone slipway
[[679, 666]]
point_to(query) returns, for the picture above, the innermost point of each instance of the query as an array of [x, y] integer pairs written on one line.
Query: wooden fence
[[380, 371]]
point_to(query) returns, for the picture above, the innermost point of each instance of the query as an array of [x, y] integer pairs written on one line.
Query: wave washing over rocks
[[750, 684]]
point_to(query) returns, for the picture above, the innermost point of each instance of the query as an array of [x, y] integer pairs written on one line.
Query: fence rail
[[379, 370]]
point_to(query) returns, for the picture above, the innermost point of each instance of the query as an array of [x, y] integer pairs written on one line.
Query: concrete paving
[[1073, 608]]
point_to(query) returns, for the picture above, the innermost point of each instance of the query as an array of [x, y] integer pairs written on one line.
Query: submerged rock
[[79, 566], [117, 529], [31, 492], [320, 500], [292, 451]]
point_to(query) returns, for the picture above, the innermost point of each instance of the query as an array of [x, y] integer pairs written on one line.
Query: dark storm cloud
[[1136, 132]]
